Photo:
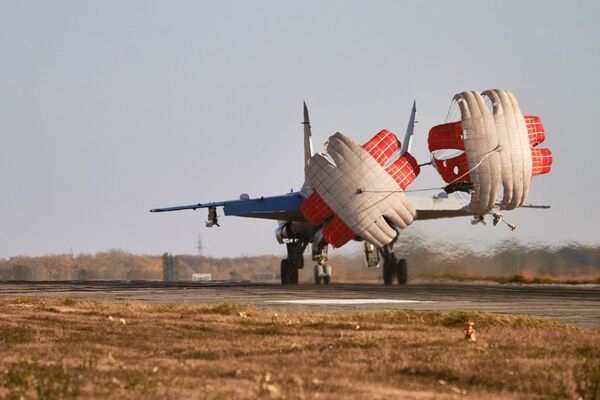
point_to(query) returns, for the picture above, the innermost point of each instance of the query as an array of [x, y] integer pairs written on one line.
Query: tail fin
[[406, 143], [308, 147]]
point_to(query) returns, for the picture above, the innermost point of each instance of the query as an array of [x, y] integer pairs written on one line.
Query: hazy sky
[[110, 108]]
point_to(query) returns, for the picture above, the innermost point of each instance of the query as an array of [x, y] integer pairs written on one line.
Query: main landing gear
[[289, 273], [393, 269], [294, 261]]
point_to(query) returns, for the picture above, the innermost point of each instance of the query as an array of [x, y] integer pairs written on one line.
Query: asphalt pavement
[[575, 304]]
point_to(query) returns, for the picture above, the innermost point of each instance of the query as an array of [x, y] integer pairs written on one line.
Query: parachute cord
[[484, 156], [425, 164], [449, 109], [461, 198], [359, 191]]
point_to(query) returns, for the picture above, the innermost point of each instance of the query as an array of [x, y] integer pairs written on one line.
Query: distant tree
[[22, 273], [84, 274]]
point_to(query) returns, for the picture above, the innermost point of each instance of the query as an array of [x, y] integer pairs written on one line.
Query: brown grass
[[67, 348], [526, 278]]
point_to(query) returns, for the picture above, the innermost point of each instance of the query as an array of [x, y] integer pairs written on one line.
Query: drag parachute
[[496, 148], [357, 193]]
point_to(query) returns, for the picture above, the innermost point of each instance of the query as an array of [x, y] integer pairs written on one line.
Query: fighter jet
[[337, 204]]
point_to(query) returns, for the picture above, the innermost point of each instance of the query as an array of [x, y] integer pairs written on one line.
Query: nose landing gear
[[322, 271], [322, 274]]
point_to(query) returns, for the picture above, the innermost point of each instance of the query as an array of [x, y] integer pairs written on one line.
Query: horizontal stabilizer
[[285, 207]]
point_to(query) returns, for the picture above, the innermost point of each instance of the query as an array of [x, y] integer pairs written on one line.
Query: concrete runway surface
[[575, 304]]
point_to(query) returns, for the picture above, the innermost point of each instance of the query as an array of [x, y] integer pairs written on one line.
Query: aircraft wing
[[437, 207], [285, 207]]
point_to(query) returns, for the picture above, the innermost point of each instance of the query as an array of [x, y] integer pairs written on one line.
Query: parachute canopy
[[497, 148], [356, 194]]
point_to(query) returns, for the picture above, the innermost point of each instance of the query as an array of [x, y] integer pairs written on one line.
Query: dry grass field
[[67, 348]]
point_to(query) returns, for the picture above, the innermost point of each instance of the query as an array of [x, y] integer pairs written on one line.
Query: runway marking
[[346, 301]]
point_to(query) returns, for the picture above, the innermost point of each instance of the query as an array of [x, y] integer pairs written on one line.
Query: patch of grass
[[166, 351], [269, 331], [69, 301], [516, 278], [229, 309], [172, 308], [209, 355], [455, 318], [17, 377], [589, 351], [10, 335], [54, 382], [24, 300], [49, 381], [357, 344], [324, 324], [222, 309], [130, 379], [588, 380]]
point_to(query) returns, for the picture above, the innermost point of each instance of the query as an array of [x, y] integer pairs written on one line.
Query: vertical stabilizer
[[407, 142], [308, 147]]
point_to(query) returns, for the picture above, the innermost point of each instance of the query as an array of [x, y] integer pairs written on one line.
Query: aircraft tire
[[402, 272], [388, 272], [284, 272], [317, 274], [289, 273], [292, 274], [327, 277]]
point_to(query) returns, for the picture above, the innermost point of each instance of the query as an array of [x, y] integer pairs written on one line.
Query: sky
[[108, 109]]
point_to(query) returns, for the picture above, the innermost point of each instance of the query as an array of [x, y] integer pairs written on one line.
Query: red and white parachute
[[497, 148], [357, 192]]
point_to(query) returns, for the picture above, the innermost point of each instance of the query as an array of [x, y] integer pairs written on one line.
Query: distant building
[[201, 277]]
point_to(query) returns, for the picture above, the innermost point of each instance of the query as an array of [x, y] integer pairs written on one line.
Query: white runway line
[[346, 301]]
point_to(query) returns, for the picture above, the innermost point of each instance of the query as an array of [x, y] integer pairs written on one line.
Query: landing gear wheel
[[293, 275], [289, 273], [317, 273], [327, 277], [284, 272], [402, 272], [388, 272]]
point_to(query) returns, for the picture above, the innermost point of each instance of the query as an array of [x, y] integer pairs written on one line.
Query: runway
[[574, 304]]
